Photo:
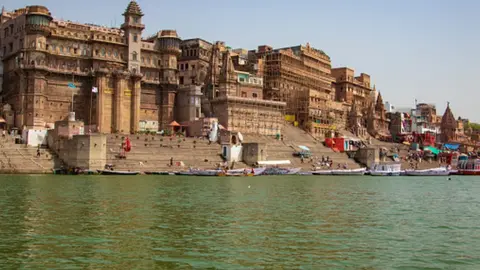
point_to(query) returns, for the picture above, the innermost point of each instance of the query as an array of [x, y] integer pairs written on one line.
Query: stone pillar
[[120, 83], [100, 81], [136, 97]]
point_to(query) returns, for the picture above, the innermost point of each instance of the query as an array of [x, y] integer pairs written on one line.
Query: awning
[[2, 120], [303, 147], [406, 143], [452, 146], [221, 127], [274, 162], [432, 149], [174, 124]]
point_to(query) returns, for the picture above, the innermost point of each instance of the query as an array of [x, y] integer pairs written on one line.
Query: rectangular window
[[135, 38], [186, 66], [10, 46], [181, 80], [20, 43]]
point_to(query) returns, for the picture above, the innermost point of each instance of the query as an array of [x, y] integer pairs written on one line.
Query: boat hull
[[281, 171], [325, 172], [349, 172], [428, 173], [157, 173], [385, 173], [468, 172], [107, 172]]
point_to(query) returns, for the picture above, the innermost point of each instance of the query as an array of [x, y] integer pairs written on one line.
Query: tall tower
[[33, 94], [133, 28], [169, 47]]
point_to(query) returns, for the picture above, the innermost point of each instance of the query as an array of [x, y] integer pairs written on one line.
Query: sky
[[427, 50]]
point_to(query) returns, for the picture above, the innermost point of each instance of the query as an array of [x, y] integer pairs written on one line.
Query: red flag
[[128, 145]]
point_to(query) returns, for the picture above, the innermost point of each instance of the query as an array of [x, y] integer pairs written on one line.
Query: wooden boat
[[157, 173], [429, 172], [281, 171], [360, 171], [110, 172], [322, 172], [189, 173]]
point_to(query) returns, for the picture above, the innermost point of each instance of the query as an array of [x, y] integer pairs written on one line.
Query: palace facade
[[116, 81], [112, 78]]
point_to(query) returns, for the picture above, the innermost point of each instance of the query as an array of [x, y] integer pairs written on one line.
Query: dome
[[168, 34], [38, 10]]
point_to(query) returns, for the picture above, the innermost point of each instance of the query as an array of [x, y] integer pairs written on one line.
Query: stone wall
[[83, 151], [254, 152], [367, 156]]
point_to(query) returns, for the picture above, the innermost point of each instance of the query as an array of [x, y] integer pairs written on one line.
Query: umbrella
[[174, 124]]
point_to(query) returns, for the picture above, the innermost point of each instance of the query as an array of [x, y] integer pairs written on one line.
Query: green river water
[[297, 222]]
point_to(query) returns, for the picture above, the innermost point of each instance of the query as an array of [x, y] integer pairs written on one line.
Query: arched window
[[134, 56], [115, 54], [61, 48], [102, 51]]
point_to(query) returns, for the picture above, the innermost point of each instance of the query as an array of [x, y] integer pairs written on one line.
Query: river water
[[298, 222]]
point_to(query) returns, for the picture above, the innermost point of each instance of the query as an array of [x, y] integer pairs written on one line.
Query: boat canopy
[[274, 162], [432, 149], [451, 146], [303, 147]]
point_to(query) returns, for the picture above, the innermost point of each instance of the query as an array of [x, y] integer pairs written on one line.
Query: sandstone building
[[51, 67], [213, 83], [301, 77]]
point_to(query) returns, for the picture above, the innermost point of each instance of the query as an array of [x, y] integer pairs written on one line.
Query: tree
[[474, 126]]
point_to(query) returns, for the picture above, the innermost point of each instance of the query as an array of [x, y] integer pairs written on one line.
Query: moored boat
[[469, 167], [386, 169], [110, 172], [157, 173], [360, 171], [281, 171], [429, 172], [385, 173], [322, 172]]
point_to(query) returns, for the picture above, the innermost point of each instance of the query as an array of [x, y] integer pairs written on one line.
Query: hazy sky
[[423, 49]]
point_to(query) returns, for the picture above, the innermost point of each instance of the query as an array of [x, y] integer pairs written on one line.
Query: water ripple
[[219, 223]]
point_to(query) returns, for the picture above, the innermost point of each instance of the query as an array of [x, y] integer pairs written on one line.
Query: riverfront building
[[112, 78]]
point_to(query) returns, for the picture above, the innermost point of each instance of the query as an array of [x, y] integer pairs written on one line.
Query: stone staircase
[[153, 153], [20, 158], [294, 137]]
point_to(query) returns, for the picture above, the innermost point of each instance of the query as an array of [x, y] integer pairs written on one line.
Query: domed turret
[[38, 20]]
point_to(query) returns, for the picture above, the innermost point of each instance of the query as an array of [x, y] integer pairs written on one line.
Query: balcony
[[56, 69]]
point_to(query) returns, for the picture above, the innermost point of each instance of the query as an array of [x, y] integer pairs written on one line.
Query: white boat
[[294, 170], [386, 169], [360, 171], [385, 173], [442, 171]]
